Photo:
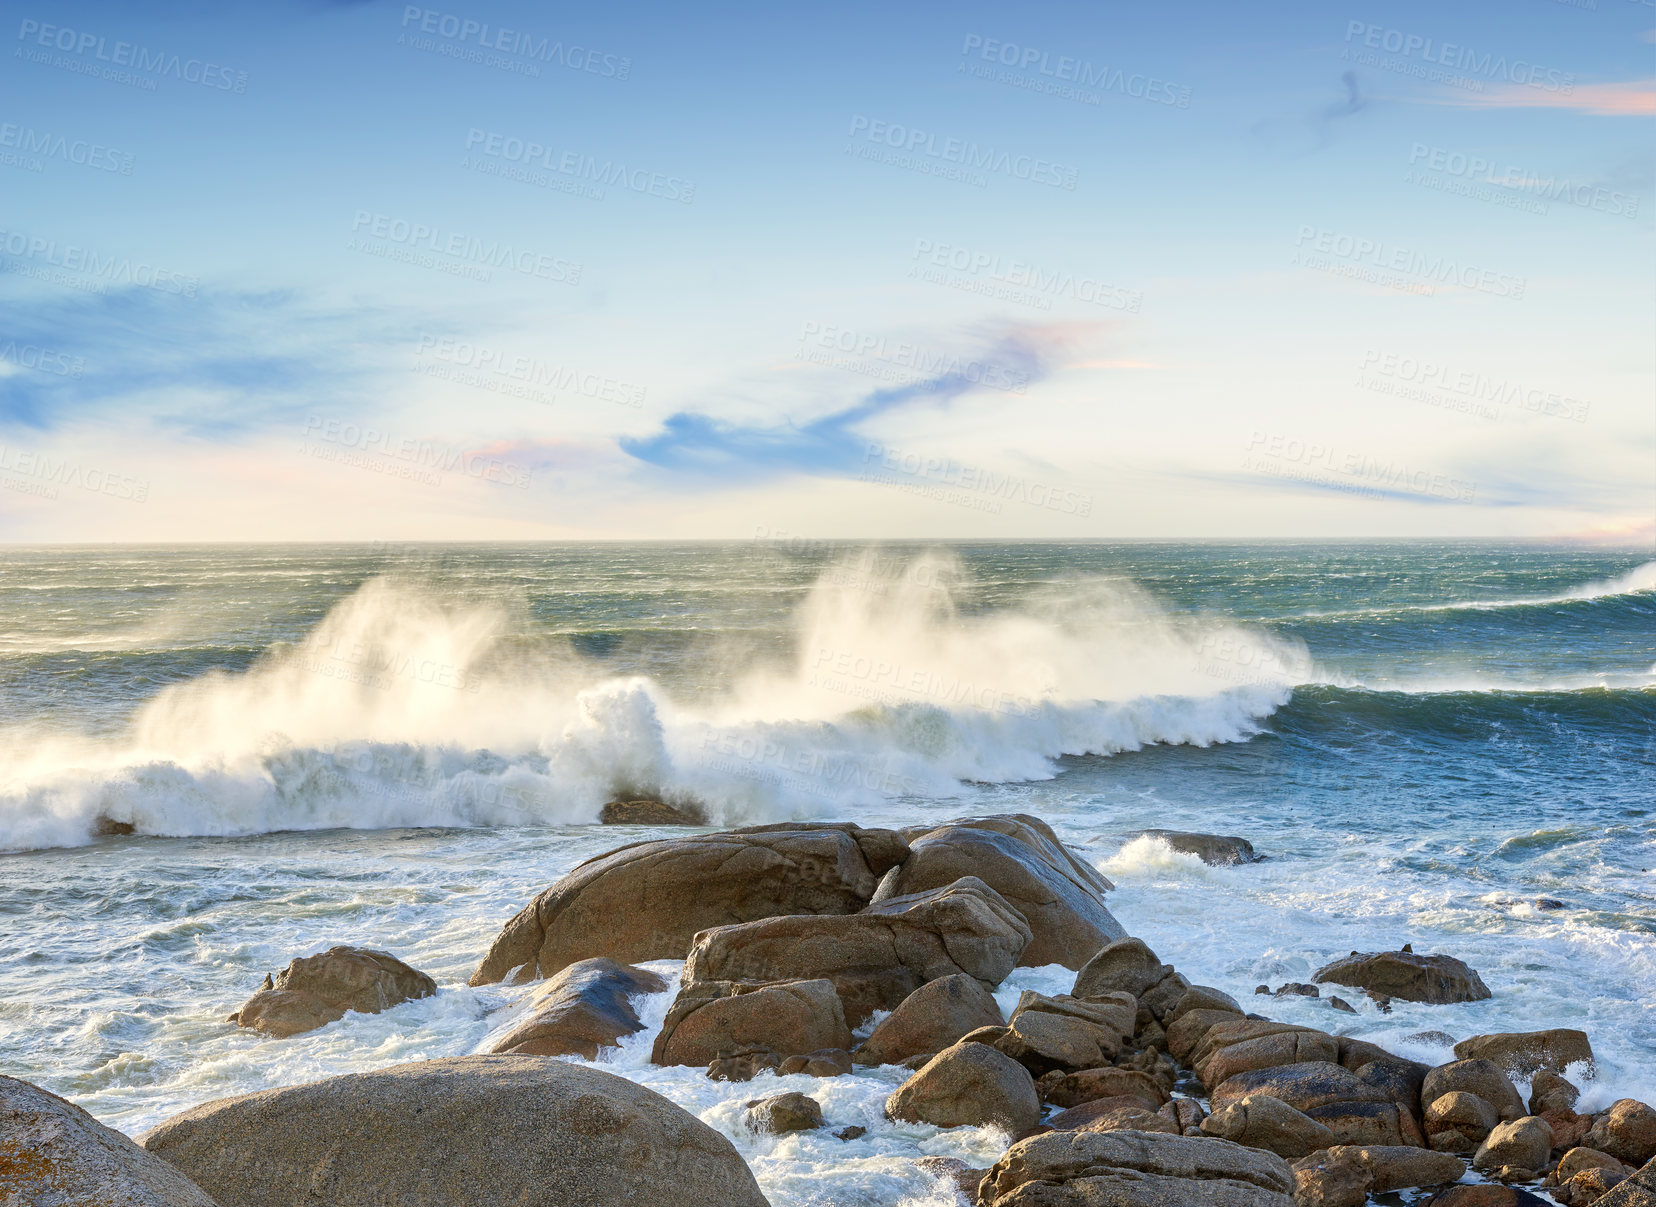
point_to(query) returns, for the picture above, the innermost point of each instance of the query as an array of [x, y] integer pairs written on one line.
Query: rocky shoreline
[[830, 950]]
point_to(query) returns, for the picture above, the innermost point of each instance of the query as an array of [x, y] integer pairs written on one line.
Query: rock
[[743, 1064], [875, 958], [315, 990], [1162, 997], [1236, 1031], [1402, 1167], [937, 1014], [1260, 1121], [1547, 903], [1335, 1178], [1125, 966], [1590, 1186], [1061, 896], [651, 813], [1339, 1003], [1481, 1077], [1203, 997], [648, 900], [1355, 1053], [1189, 1029], [1627, 1131], [1297, 989], [1637, 1191], [1303, 1086], [783, 1113], [1580, 1158], [1458, 1122], [824, 1062], [968, 1085], [1522, 1053], [1400, 1079], [984, 1035], [1186, 1113], [1484, 1196], [1569, 1129], [1128, 1118], [1359, 1123], [533, 1131], [1437, 979], [1438, 1039], [585, 1007], [1066, 1089], [787, 1017], [1268, 1052], [1215, 850], [1550, 1092], [53, 1154], [953, 1172], [1043, 1042], [1135, 1169], [853, 1132], [1111, 1016]]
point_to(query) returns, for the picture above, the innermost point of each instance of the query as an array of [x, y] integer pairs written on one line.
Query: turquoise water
[[399, 745]]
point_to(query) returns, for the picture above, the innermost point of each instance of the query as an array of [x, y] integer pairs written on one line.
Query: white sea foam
[[403, 707], [1636, 581]]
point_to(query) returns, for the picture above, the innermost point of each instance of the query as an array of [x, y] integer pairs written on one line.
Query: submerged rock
[[1215, 850], [315, 990], [53, 1154], [532, 1131], [651, 813], [1523, 1053], [783, 1113], [584, 1008], [1437, 979]]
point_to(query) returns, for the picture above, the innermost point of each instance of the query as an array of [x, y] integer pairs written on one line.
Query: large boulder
[[875, 958], [1215, 850], [1481, 1077], [532, 1131], [1268, 1052], [1019, 857], [586, 1007], [1044, 1043], [1087, 1168], [1260, 1121], [1523, 1144], [647, 901], [789, 1018], [1637, 1191], [968, 1085], [930, 1019], [1627, 1131], [315, 990], [1524, 1053], [1188, 1031], [1437, 979], [1124, 966], [1304, 1087], [1333, 1177], [1401, 1167], [53, 1154], [1091, 1085]]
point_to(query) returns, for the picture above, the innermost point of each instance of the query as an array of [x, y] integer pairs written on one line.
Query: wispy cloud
[[700, 443], [1630, 98]]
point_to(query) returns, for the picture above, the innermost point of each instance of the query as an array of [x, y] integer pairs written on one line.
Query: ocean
[[219, 758]]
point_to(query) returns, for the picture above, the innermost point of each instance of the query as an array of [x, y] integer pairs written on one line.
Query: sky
[[301, 271]]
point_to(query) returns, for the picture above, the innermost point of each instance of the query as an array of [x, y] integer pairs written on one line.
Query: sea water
[[216, 759]]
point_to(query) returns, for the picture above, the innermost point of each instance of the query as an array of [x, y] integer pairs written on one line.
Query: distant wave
[[1635, 582], [402, 707]]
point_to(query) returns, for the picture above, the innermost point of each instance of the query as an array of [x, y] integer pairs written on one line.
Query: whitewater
[[218, 759]]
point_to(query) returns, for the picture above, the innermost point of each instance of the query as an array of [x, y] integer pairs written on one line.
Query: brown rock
[[1590, 1186], [824, 1062], [1481, 1077], [1360, 1123], [783, 1113], [1260, 1121], [53, 1154], [1355, 1053], [875, 958], [930, 1019], [1522, 1053], [985, 1035], [1067, 1089], [533, 1131], [1639, 1190], [1580, 1158], [743, 1064], [1125, 966], [1335, 1178], [853, 1132], [651, 813], [584, 1008], [1142, 1169], [1121, 1119], [315, 990], [1113, 1017], [1484, 1196], [787, 1017], [1185, 1113], [1526, 1143], [1020, 858], [1116, 1106], [647, 901], [1457, 1122], [1162, 997], [968, 1085], [1415, 978], [1224, 1034], [1569, 1129], [1189, 1029], [1203, 997], [1043, 1042], [1215, 850], [1303, 1087], [1401, 1167], [1627, 1131], [1550, 1092], [954, 1172], [1268, 1052]]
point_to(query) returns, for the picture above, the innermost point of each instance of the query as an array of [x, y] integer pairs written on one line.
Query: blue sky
[[302, 271]]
